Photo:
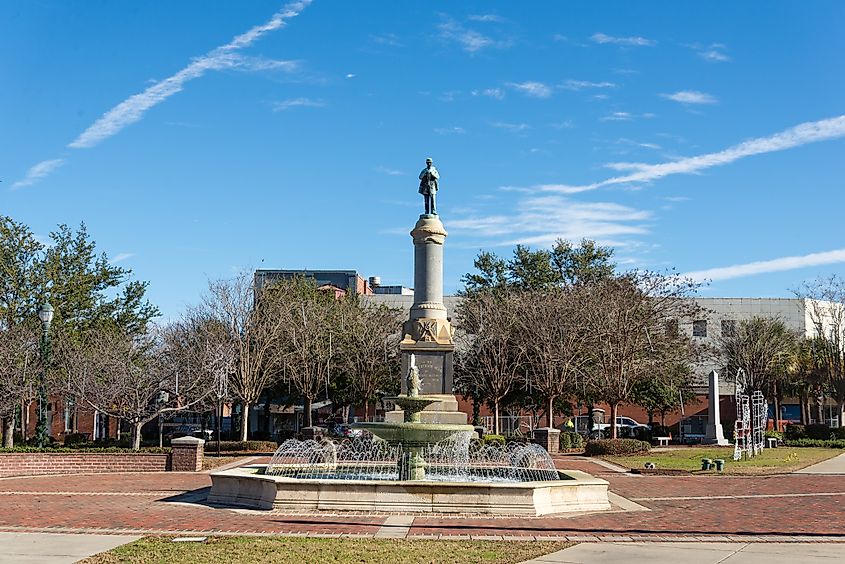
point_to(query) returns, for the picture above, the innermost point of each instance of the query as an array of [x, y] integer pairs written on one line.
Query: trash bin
[[720, 464], [706, 464]]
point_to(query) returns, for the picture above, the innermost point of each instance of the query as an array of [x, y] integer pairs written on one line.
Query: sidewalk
[[696, 553], [50, 548], [835, 465]]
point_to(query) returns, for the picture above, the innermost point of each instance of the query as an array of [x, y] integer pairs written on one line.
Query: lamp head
[[45, 314]]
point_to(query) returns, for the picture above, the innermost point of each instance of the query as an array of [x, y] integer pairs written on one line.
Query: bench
[[771, 442], [662, 441]]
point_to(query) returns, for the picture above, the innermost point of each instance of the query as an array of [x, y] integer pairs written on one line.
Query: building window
[[728, 328], [699, 328]]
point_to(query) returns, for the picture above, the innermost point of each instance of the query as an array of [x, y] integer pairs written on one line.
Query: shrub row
[[497, 439], [824, 443], [101, 450], [242, 446], [815, 431], [616, 447], [571, 439]]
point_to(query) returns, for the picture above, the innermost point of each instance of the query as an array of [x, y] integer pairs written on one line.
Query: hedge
[[498, 439], [824, 443], [616, 447], [814, 432], [242, 446], [571, 439], [95, 450]]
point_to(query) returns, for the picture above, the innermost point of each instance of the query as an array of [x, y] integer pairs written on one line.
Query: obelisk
[[713, 433], [427, 334]]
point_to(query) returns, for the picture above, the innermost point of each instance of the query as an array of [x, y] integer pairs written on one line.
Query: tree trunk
[[9, 432], [136, 435], [496, 417], [307, 403], [776, 409], [804, 405], [366, 409], [650, 418], [614, 409], [550, 414], [476, 411], [245, 421]]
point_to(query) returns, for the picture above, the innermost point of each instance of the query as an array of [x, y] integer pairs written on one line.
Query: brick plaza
[[783, 508]]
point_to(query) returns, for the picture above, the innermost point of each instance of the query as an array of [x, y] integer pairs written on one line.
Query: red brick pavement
[[803, 505]]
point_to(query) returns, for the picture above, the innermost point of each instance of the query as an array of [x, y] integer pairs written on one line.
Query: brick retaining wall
[[39, 463]]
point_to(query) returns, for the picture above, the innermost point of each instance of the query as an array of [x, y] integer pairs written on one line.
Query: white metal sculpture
[[752, 413]]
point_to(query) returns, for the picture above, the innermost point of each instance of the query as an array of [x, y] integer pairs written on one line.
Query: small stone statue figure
[[429, 178], [414, 381]]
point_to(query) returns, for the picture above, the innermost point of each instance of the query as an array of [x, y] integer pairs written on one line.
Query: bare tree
[[309, 344], [630, 321], [19, 365], [253, 325], [489, 361], [369, 337], [552, 343], [128, 377], [825, 301]]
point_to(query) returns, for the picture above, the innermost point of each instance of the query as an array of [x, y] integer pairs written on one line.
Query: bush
[[497, 439], [837, 434], [565, 441], [643, 434], [75, 439], [818, 431], [794, 432], [620, 447], [577, 440], [86, 449], [660, 431], [242, 446], [774, 435], [838, 443]]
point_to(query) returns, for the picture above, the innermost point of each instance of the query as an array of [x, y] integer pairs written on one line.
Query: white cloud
[[297, 103], [449, 130], [808, 132], [532, 88], [389, 39], [582, 84], [713, 56], [629, 41], [618, 116], [486, 18], [350, 75], [470, 40], [515, 127], [496, 93], [540, 220], [121, 257], [766, 266], [691, 97], [133, 108], [389, 171], [37, 172]]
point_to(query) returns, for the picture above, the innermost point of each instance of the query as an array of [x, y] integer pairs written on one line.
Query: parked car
[[346, 432]]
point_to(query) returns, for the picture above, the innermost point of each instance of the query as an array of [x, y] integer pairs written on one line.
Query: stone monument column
[[713, 434], [427, 334]]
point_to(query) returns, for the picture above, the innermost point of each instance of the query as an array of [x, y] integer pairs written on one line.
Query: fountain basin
[[414, 434], [247, 486]]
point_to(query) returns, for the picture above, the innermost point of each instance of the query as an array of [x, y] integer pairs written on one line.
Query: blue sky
[[198, 138]]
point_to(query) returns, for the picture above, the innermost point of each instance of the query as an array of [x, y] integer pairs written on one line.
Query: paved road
[[49, 548], [696, 553], [835, 465]]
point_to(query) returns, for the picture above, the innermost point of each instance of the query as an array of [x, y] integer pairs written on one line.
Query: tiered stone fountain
[[421, 459]]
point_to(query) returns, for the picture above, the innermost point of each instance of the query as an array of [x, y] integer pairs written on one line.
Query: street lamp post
[[42, 434]]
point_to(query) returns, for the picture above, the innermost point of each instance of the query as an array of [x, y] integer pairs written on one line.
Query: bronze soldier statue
[[428, 186]]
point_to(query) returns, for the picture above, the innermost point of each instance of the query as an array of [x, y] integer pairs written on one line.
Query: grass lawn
[[210, 461], [324, 551], [771, 461]]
